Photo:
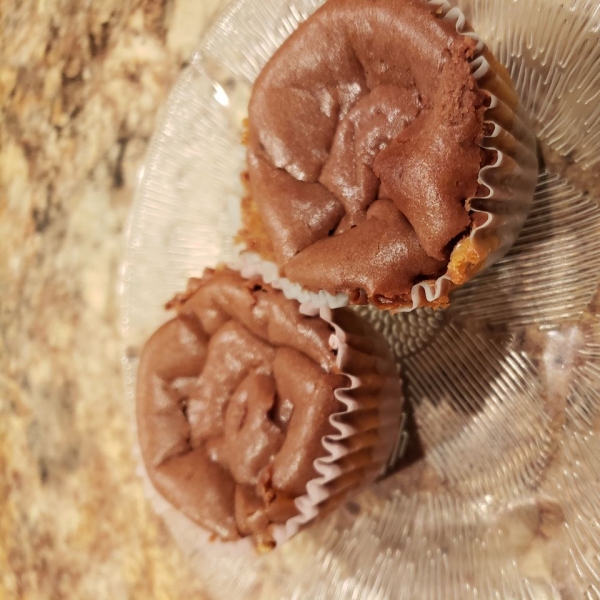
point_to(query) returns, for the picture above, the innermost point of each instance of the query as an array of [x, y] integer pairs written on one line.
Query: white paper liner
[[251, 264], [385, 451], [511, 181]]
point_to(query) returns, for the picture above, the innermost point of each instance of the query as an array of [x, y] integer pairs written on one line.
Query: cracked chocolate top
[[363, 147], [234, 397]]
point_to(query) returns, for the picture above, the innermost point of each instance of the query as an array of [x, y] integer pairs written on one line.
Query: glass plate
[[498, 495]]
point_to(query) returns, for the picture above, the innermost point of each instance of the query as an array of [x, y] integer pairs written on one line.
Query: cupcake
[[389, 160], [256, 415]]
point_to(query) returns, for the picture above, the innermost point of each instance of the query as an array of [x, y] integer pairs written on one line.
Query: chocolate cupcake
[[389, 160], [256, 415]]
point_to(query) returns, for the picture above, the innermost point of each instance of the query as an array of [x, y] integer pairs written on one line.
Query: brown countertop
[[79, 91]]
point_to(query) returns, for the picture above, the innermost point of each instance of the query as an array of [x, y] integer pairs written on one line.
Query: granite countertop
[[81, 84], [79, 89]]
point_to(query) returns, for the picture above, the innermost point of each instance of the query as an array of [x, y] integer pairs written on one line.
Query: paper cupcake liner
[[368, 442], [507, 185]]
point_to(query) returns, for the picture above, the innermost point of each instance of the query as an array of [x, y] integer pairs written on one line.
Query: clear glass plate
[[499, 493]]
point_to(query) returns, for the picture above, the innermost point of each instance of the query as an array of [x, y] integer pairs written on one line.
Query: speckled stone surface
[[80, 87]]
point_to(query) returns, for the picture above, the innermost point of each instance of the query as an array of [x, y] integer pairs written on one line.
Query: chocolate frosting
[[363, 147], [234, 397]]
